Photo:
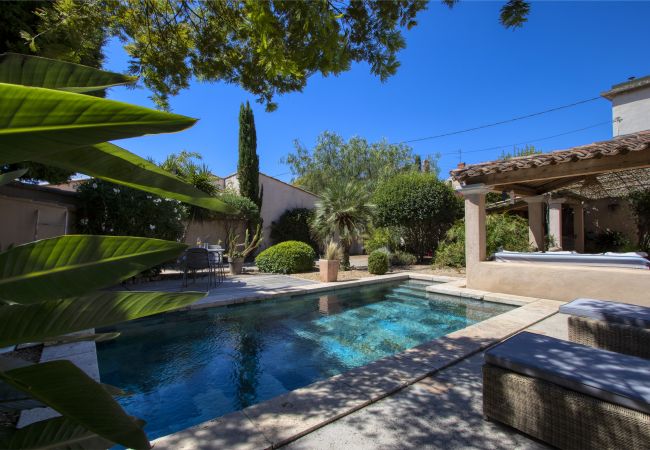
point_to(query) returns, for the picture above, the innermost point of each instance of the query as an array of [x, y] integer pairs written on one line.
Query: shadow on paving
[[440, 412]]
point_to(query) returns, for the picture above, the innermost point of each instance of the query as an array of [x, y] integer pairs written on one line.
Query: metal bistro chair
[[198, 259], [216, 260]]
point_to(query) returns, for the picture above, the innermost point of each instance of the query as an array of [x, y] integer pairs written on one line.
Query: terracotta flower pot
[[329, 269], [236, 265]]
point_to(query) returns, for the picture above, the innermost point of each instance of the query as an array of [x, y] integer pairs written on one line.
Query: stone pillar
[[536, 221], [555, 221], [579, 227], [475, 247]]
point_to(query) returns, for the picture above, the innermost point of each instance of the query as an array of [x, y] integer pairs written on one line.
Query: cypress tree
[[248, 165], [417, 164]]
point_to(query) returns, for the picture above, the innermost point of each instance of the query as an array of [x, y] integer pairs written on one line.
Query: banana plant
[[54, 287]]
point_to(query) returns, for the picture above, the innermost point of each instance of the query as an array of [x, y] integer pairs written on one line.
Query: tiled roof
[[629, 143]]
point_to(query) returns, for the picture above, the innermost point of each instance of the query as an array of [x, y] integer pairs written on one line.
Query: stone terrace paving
[[425, 397]]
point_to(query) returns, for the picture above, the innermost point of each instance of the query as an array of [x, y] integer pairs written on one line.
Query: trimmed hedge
[[286, 257], [378, 262], [293, 225]]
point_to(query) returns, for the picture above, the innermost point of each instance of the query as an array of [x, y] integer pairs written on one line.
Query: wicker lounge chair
[[618, 327], [568, 395]]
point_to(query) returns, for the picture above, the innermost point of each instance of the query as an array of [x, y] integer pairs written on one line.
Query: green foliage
[[80, 43], [334, 162], [421, 206], [32, 322], [378, 262], [286, 257], [248, 165], [611, 241], [266, 47], [343, 213], [382, 237], [513, 14], [73, 265], [640, 204], [293, 225], [251, 242], [517, 152], [51, 286], [400, 258], [503, 231], [187, 166], [110, 209]]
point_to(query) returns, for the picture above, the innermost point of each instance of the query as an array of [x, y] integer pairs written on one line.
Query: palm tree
[[343, 213]]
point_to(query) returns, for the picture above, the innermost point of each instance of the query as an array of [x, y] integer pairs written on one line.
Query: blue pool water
[[187, 367]]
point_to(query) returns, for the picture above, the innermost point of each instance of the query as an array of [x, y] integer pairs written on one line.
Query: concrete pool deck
[[332, 403]]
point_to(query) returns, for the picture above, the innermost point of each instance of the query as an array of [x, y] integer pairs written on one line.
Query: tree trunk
[[345, 262]]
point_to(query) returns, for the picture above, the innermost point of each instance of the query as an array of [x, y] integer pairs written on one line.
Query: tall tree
[[248, 165], [333, 161]]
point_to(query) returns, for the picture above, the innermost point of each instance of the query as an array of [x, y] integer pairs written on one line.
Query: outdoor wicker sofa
[[618, 327], [568, 395]]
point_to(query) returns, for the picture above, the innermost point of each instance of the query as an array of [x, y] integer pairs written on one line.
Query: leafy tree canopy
[[334, 162], [420, 205], [268, 47]]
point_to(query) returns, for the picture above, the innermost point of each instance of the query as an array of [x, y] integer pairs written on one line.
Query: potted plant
[[329, 265], [237, 253]]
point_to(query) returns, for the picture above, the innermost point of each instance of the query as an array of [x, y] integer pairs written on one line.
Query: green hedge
[[286, 257], [378, 262], [293, 225]]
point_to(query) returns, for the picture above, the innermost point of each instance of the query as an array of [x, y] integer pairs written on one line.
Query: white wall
[[633, 108], [278, 197]]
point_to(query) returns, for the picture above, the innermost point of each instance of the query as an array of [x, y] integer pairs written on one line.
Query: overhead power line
[[494, 124], [607, 122]]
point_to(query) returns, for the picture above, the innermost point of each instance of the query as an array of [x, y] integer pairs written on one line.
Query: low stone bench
[[566, 394], [618, 327]]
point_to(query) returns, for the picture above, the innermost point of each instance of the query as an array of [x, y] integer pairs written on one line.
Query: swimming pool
[[186, 367]]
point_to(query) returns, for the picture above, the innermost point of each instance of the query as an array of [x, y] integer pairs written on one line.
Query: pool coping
[[289, 416]]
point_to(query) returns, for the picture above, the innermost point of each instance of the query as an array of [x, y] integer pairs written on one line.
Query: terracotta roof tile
[[629, 143]]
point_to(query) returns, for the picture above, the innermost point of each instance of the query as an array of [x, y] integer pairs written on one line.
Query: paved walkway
[[443, 411], [236, 287]]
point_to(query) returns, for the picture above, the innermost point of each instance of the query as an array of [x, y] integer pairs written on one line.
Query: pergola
[[598, 170]]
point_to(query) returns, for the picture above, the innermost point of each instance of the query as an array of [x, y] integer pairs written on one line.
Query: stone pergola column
[[536, 221], [555, 220], [579, 227], [475, 247]]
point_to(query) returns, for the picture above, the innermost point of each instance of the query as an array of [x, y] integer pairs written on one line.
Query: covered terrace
[[572, 177]]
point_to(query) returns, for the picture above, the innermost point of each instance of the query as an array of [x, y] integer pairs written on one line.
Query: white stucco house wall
[[278, 198], [630, 106]]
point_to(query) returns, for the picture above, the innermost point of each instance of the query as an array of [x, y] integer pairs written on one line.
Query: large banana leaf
[[59, 433], [35, 121], [37, 322], [35, 71], [67, 389], [73, 265], [114, 164], [8, 177]]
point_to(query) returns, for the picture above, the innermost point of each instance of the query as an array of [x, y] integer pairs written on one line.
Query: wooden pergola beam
[[580, 168]]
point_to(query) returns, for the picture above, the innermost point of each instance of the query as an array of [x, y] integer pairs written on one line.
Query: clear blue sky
[[460, 69]]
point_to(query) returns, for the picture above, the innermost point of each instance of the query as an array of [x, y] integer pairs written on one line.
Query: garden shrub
[[423, 208], [504, 231], [640, 205], [286, 257], [111, 209], [611, 241], [400, 258], [378, 262], [293, 225], [381, 237]]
